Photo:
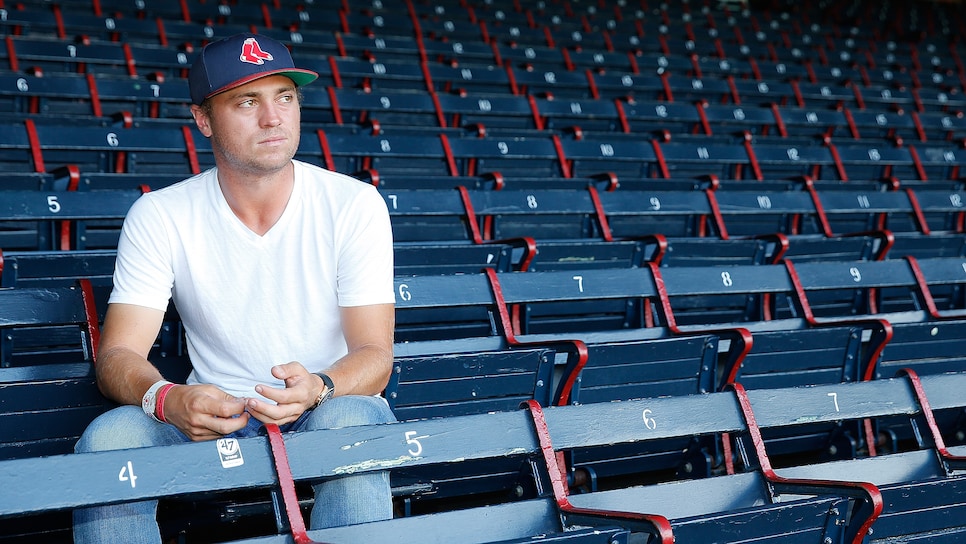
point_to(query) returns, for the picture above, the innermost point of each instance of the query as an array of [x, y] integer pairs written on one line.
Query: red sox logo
[[252, 53]]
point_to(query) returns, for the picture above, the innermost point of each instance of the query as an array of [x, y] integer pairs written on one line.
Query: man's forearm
[[363, 371], [123, 376]]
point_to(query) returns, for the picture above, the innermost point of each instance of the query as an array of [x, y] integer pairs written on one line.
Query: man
[[282, 275]]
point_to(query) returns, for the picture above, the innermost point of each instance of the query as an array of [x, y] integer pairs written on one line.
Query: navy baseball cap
[[239, 59]]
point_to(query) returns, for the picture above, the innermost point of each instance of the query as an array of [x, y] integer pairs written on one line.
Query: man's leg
[[352, 499], [136, 522]]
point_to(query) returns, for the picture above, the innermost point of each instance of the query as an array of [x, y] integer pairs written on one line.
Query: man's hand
[[204, 412], [299, 394]]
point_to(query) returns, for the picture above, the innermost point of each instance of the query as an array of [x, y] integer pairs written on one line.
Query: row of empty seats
[[745, 225]]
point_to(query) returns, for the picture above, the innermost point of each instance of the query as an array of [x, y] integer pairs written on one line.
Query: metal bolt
[[827, 540]]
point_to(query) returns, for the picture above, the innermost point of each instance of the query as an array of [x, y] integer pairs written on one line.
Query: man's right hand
[[204, 412]]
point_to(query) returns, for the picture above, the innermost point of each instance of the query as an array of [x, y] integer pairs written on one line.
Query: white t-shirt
[[250, 302]]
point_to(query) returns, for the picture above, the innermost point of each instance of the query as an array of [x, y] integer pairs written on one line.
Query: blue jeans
[[340, 501]]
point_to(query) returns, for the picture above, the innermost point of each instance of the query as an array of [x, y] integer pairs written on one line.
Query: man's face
[[253, 128]]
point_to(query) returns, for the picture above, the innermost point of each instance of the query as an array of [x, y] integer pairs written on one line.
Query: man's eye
[[286, 98], [247, 103]]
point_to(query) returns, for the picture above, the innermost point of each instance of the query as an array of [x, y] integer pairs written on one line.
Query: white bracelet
[[149, 400]]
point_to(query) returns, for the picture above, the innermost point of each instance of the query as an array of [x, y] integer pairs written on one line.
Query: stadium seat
[[50, 335], [920, 488], [63, 219]]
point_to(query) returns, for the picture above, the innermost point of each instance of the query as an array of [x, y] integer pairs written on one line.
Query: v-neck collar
[[291, 208]]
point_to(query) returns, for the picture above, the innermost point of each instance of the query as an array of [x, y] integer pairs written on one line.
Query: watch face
[[147, 404]]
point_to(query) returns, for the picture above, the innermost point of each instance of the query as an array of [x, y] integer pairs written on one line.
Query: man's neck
[[258, 201]]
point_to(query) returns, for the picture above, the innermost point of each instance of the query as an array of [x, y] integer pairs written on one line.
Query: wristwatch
[[149, 402], [326, 393]]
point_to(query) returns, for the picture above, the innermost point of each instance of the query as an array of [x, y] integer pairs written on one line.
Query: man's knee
[[124, 427], [348, 411]]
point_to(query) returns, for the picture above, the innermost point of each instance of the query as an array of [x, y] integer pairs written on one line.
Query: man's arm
[[364, 370], [123, 371], [124, 374]]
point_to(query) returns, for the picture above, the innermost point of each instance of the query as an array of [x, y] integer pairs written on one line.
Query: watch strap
[[326, 392]]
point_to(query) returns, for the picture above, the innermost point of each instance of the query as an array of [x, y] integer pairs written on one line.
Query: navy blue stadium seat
[[120, 149], [920, 488], [63, 219], [50, 335]]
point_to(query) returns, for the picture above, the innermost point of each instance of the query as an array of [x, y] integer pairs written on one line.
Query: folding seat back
[[167, 99], [625, 158], [531, 56], [17, 153], [449, 384], [702, 516], [813, 122], [456, 307], [749, 212], [53, 94], [776, 161], [840, 289], [28, 21], [657, 116], [376, 155], [919, 487], [938, 126], [641, 213], [748, 91], [870, 161], [65, 219], [47, 383], [509, 156], [113, 149], [737, 120], [693, 89], [876, 123], [584, 301], [921, 338], [600, 59], [938, 162], [384, 108], [469, 51], [67, 56], [492, 113], [789, 347], [646, 87], [474, 80], [576, 115], [545, 214], [360, 74], [558, 83], [857, 211], [707, 157]]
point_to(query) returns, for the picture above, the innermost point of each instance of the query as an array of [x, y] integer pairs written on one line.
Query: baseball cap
[[239, 59]]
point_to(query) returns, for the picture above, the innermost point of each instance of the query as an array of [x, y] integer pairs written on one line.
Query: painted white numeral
[[404, 292], [835, 400], [856, 274], [726, 279], [580, 283], [127, 474], [648, 420], [413, 440], [53, 204]]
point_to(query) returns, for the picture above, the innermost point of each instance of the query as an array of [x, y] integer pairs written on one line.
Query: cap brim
[[298, 75]]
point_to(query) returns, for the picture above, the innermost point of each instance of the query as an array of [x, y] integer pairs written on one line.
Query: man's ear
[[201, 120]]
